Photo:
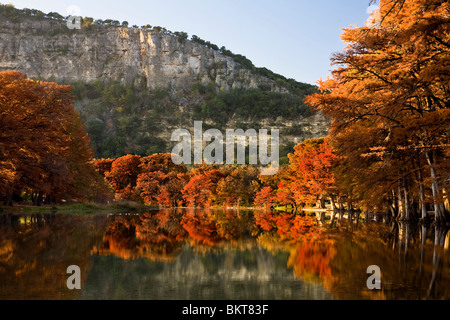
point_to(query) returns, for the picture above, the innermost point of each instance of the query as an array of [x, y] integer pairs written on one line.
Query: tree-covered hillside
[[124, 119]]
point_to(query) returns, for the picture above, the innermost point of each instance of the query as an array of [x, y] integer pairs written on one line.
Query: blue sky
[[294, 38]]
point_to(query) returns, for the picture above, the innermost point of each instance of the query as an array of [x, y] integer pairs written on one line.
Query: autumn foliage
[[288, 226], [265, 197], [44, 149], [388, 148], [156, 180], [311, 168], [389, 103]]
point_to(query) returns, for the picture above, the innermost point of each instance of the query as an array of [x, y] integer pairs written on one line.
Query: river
[[184, 254]]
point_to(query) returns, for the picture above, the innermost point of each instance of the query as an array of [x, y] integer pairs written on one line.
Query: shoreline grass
[[78, 208]]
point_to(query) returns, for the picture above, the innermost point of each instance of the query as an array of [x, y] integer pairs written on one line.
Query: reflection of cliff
[[191, 255], [228, 273], [154, 256], [35, 251]]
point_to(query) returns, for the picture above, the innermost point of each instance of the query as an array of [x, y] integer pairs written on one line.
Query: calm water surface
[[205, 254]]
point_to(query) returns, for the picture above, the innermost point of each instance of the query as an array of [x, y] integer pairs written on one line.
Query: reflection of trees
[[233, 224], [201, 228], [311, 251], [311, 261], [310, 258], [159, 235], [289, 226], [413, 259], [407, 263], [35, 251], [441, 243], [156, 236], [411, 265]]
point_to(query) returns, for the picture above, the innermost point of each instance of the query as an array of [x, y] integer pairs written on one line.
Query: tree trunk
[[341, 209], [393, 208], [439, 210], [8, 200], [400, 203], [394, 205], [333, 216], [423, 207], [39, 199], [294, 207], [321, 201], [333, 203], [440, 232], [423, 235], [367, 216], [350, 210], [408, 212]]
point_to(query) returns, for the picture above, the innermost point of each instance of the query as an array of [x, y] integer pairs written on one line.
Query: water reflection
[[35, 251], [221, 254], [192, 254]]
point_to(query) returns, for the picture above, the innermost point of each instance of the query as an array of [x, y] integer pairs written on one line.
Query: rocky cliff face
[[123, 70], [48, 49]]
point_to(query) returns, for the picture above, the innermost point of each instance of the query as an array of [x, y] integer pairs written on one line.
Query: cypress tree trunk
[[423, 207], [400, 203], [333, 203], [8, 200], [409, 215], [439, 210], [39, 199]]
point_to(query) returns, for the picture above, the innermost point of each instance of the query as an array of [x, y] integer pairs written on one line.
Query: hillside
[[135, 85]]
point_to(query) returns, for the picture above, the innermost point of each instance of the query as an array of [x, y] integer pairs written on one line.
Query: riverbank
[[86, 208], [116, 207], [79, 208]]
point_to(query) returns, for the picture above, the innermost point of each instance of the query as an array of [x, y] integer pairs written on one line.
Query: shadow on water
[[221, 254]]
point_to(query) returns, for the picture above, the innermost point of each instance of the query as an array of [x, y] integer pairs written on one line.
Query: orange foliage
[[103, 166], [288, 226], [389, 104], [285, 194], [123, 176], [311, 165], [161, 162], [201, 188], [266, 220], [201, 229], [44, 147], [311, 260], [265, 197], [149, 185], [163, 198]]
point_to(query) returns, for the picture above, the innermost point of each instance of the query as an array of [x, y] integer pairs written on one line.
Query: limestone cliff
[[48, 49], [134, 86]]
